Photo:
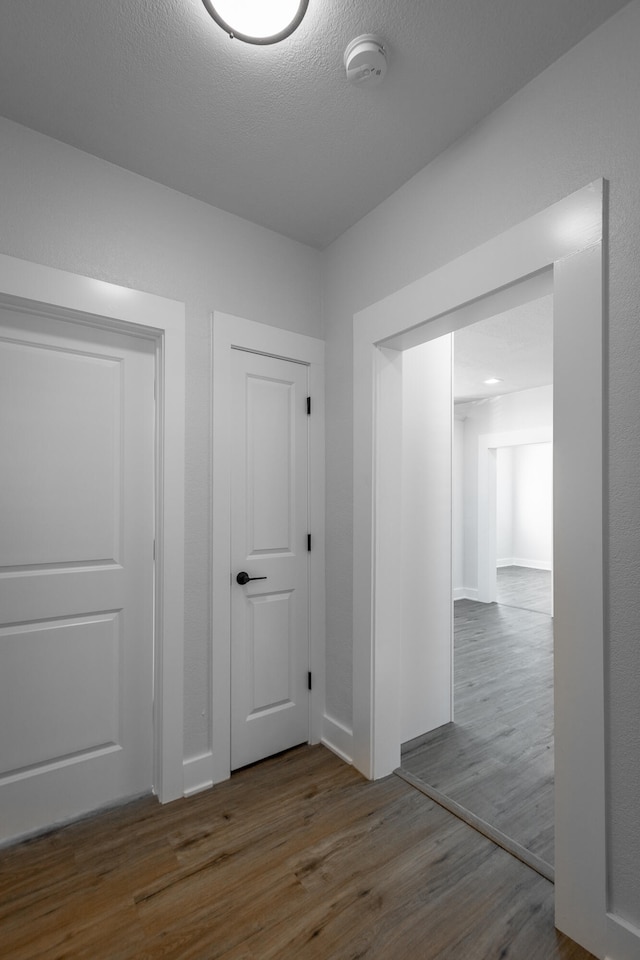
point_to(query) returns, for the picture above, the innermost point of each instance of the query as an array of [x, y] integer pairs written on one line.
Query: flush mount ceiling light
[[492, 380], [257, 21]]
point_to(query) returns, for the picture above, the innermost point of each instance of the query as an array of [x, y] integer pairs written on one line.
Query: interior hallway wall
[[574, 123], [504, 504], [457, 508], [532, 505], [522, 410], [67, 209], [424, 637]]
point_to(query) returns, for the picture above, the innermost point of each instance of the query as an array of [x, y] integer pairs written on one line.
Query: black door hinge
[[308, 405], [309, 680], [309, 542]]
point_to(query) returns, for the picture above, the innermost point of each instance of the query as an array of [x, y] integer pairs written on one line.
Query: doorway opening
[[494, 758], [566, 240]]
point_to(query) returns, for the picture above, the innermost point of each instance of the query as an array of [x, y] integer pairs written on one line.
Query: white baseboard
[[338, 738], [197, 772], [532, 564], [524, 562], [465, 593], [623, 939]]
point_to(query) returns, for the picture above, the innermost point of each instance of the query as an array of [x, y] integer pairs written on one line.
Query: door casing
[[569, 239], [91, 302], [229, 332]]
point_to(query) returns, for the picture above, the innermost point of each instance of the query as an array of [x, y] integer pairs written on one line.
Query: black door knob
[[243, 578]]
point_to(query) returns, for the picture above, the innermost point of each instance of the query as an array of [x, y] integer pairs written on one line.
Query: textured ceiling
[[275, 134], [515, 346]]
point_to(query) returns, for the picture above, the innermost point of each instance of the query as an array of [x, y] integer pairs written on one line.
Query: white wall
[[574, 123], [425, 669], [504, 505], [514, 412], [532, 504], [66, 209], [524, 481], [457, 506], [524, 508]]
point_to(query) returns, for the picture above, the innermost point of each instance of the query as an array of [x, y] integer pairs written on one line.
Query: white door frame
[[237, 333], [90, 302], [569, 237]]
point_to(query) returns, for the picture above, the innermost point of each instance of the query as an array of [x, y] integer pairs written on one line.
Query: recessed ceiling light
[[256, 21], [493, 380]]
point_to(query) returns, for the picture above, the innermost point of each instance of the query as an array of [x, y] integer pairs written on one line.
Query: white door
[[269, 615], [77, 416]]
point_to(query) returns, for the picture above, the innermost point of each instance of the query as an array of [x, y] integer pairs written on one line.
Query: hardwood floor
[[524, 587], [296, 857], [496, 760]]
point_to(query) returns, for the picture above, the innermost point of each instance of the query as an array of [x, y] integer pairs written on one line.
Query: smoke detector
[[365, 60]]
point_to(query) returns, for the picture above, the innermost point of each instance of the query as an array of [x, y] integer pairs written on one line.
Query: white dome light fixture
[[255, 21]]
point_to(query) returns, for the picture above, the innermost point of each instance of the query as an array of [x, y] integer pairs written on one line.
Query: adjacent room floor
[[526, 588], [496, 759]]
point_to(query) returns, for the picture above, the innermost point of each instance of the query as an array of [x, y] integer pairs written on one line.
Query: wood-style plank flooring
[[524, 587], [296, 857], [496, 760]]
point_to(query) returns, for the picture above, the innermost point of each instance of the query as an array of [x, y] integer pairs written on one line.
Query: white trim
[[569, 237], [197, 774], [85, 300], [230, 332], [338, 738], [465, 593], [524, 562], [623, 939]]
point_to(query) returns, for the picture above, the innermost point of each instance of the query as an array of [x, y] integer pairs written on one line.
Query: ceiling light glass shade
[[257, 21]]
